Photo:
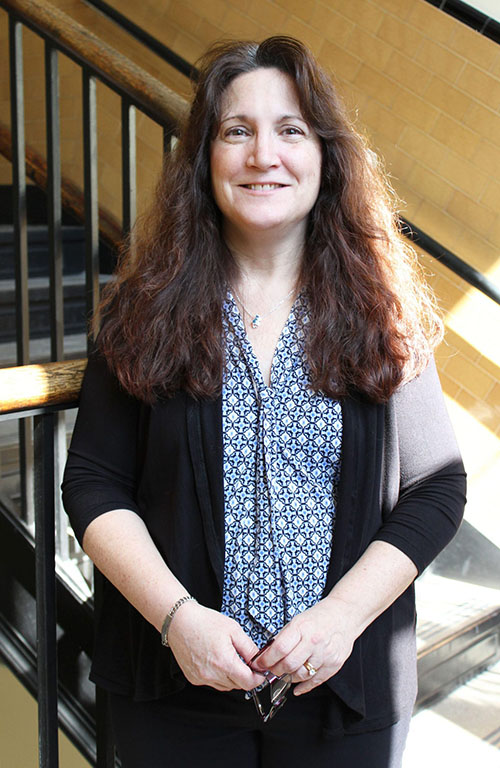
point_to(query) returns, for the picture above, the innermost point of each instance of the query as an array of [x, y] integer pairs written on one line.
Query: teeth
[[263, 187]]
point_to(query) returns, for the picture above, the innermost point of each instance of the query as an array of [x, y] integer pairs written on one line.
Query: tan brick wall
[[425, 87]]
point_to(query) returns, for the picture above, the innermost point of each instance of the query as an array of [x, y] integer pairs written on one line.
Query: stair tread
[[445, 604]]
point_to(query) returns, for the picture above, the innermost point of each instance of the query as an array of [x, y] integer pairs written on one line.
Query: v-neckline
[[249, 352]]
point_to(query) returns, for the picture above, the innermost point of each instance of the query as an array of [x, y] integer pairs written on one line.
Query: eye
[[236, 132], [292, 130]]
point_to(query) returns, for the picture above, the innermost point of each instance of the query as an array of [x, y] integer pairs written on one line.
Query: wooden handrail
[[34, 386], [71, 196], [159, 101]]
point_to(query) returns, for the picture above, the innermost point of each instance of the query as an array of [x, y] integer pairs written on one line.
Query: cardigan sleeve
[[432, 482], [100, 472]]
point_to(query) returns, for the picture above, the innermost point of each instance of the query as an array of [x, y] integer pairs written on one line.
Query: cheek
[[306, 166], [216, 174], [222, 170], [315, 174], [223, 164]]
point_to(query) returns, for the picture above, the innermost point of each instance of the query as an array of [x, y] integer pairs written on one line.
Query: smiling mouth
[[263, 187]]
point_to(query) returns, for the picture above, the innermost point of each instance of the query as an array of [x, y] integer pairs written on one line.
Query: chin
[[263, 224]]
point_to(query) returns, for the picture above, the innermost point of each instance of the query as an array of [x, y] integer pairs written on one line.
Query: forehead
[[261, 89]]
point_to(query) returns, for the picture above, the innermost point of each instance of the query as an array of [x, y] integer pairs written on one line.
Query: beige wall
[[19, 731], [425, 87]]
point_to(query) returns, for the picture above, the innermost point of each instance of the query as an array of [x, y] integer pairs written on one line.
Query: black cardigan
[[402, 481]]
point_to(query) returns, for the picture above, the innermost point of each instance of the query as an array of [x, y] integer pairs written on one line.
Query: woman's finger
[[242, 676], [308, 685], [243, 644], [283, 645]]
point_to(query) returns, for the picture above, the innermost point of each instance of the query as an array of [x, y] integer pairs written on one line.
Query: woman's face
[[265, 159]]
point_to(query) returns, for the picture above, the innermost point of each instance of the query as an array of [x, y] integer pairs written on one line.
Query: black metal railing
[[40, 533], [137, 91], [52, 388], [153, 44], [46, 652], [450, 260]]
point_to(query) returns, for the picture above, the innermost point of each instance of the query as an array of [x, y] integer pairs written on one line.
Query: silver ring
[[311, 671]]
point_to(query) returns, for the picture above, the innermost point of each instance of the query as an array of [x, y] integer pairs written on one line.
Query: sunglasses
[[270, 696]]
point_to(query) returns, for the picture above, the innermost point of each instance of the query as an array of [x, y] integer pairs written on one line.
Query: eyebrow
[[245, 118]]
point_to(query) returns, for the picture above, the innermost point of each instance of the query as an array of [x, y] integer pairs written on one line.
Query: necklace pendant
[[256, 321]]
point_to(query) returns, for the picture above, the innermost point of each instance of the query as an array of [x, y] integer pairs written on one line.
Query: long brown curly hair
[[372, 319]]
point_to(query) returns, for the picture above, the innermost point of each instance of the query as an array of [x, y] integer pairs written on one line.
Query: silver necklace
[[257, 319]]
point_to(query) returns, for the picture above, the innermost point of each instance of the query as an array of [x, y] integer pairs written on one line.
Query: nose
[[263, 151]]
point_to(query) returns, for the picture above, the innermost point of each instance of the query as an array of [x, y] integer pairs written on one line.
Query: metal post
[[91, 194], [19, 188], [56, 272], [129, 190], [54, 202], [21, 252], [46, 592]]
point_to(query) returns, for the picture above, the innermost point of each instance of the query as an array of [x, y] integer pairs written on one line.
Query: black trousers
[[203, 727]]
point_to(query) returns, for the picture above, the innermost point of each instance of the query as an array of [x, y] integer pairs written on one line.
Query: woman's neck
[[265, 289], [266, 266]]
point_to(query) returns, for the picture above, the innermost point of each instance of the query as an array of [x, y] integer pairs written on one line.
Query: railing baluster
[[129, 190], [91, 194], [46, 592], [54, 202], [26, 470], [19, 185], [54, 209], [21, 252]]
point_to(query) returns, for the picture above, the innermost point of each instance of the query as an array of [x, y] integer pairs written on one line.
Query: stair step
[[458, 632], [75, 321], [73, 245]]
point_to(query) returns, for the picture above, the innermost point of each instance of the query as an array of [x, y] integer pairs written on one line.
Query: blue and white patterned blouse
[[281, 449]]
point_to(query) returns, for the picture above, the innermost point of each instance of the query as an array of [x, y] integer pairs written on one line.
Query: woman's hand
[[321, 636], [207, 646]]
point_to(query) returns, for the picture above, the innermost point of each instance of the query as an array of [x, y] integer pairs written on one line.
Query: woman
[[262, 449]]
